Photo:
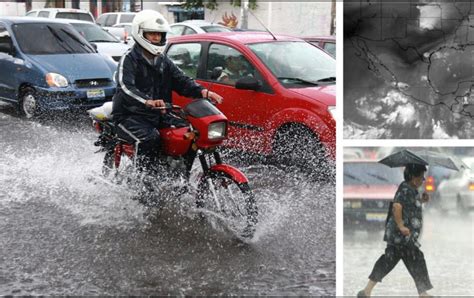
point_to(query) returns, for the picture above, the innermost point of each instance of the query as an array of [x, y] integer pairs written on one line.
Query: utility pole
[[333, 17], [244, 15]]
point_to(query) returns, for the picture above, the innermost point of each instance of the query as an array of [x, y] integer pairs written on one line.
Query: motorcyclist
[[145, 81]]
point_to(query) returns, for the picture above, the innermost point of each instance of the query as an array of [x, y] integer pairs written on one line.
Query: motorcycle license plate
[[376, 217], [95, 93]]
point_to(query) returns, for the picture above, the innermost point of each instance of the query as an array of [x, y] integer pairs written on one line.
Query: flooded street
[[63, 231], [447, 243]]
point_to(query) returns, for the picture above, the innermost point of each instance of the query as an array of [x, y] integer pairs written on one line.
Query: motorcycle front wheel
[[230, 202]]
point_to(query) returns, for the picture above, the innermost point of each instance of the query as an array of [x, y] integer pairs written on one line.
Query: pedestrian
[[145, 81], [402, 229]]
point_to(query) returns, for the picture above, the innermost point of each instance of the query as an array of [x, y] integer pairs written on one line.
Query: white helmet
[[150, 21]]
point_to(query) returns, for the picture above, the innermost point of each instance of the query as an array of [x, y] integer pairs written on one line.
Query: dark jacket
[[138, 80], [412, 216]]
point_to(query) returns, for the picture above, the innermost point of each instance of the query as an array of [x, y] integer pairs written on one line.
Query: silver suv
[[62, 13]]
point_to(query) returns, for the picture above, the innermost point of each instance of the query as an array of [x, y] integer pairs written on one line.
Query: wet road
[[447, 243], [64, 232]]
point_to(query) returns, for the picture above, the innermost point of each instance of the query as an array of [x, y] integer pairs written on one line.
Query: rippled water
[[65, 232]]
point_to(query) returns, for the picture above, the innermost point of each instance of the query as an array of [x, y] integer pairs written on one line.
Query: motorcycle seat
[[102, 113]]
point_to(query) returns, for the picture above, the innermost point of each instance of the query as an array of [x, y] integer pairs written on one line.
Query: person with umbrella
[[402, 230], [405, 218]]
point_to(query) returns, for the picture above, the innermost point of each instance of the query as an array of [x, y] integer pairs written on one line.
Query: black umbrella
[[423, 157]]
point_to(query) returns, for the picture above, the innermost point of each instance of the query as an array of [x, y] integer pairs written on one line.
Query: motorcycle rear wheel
[[229, 201]]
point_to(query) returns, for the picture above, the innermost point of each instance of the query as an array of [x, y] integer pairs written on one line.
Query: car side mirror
[[216, 73], [94, 46], [248, 83]]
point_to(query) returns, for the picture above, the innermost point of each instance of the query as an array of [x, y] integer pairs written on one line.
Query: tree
[[212, 4]]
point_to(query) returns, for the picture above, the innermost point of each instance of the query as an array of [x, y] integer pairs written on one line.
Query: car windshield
[[371, 173], [50, 39], [75, 16], [209, 29], [297, 63], [94, 33]]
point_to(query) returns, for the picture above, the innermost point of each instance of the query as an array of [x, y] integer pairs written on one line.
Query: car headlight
[[332, 110], [56, 80], [216, 130]]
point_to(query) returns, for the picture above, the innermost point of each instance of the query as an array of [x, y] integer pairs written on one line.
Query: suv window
[[31, 13], [186, 57], [111, 20], [5, 41], [176, 30], [74, 16], [189, 31], [43, 14], [231, 64], [127, 18], [101, 20]]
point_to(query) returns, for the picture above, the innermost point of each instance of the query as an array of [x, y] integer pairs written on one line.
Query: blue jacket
[[138, 80]]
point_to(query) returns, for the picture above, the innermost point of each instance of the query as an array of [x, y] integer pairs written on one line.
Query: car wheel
[[296, 146], [28, 103]]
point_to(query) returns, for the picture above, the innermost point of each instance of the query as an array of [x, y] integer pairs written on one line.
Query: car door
[[248, 111], [8, 80]]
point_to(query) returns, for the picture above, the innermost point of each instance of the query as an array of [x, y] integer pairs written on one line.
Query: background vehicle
[[369, 187], [457, 192], [109, 19], [327, 43], [62, 13], [222, 189], [283, 103], [196, 27], [123, 32], [46, 65], [105, 42]]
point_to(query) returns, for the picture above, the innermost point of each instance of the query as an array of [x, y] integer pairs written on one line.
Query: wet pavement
[[447, 243], [63, 231]]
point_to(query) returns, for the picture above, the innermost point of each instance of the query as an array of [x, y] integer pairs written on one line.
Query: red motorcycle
[[222, 190]]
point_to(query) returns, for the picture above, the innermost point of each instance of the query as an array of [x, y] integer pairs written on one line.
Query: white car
[[62, 13], [196, 27], [457, 192], [122, 31], [110, 19], [106, 43]]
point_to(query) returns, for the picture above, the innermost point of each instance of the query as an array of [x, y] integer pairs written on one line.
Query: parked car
[[46, 65], [105, 42], [369, 187], [457, 192], [281, 101], [196, 27], [62, 13], [123, 32], [109, 19], [327, 43]]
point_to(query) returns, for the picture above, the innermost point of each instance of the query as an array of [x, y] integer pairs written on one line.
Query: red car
[[278, 92], [327, 43], [369, 187]]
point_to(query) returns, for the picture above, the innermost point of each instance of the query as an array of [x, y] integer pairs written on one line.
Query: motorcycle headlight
[[332, 110], [216, 130], [56, 80]]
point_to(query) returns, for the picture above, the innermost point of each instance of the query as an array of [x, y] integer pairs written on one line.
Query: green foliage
[[212, 4]]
